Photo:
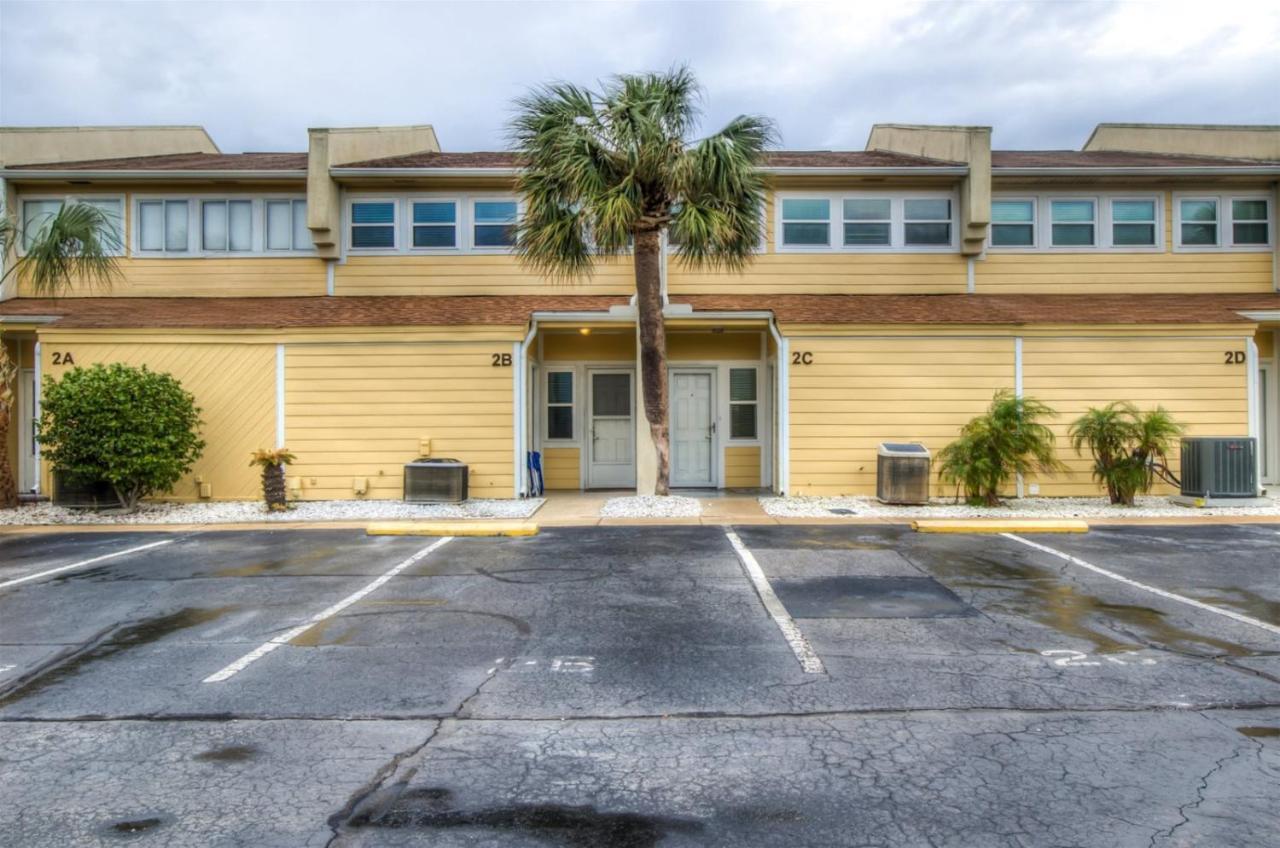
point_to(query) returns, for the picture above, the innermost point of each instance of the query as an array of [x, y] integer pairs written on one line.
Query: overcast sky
[[258, 74]]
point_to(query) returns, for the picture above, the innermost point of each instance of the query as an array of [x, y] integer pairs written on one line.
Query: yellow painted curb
[[1030, 525], [447, 528]]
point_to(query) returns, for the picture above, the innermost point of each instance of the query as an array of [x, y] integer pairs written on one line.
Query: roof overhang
[[1261, 314], [128, 176], [1201, 171], [472, 173]]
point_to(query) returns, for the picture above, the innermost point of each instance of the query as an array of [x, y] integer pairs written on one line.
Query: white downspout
[[35, 405], [1255, 417], [520, 413], [1017, 387], [783, 401]]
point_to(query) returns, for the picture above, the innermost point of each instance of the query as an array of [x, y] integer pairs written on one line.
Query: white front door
[[692, 428], [611, 430], [28, 468], [1269, 437]]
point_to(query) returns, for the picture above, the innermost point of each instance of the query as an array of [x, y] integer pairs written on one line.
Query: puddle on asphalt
[[318, 634], [278, 564], [1245, 601], [124, 639], [1041, 595], [133, 827], [1256, 732], [228, 754], [431, 808]]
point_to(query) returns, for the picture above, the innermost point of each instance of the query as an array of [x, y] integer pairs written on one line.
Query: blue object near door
[[535, 473]]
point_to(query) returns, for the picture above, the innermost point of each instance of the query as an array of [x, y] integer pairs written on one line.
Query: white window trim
[[282, 251], [1096, 222], [844, 221], [200, 204], [1103, 236], [835, 240], [1107, 212], [1034, 223], [572, 371], [1226, 231], [195, 227], [464, 202], [121, 250]]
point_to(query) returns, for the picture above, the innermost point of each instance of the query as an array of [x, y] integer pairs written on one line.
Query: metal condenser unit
[[1220, 467], [902, 473], [435, 481]]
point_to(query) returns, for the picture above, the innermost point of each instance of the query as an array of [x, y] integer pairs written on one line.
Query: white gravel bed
[[651, 506], [1146, 507], [232, 512]]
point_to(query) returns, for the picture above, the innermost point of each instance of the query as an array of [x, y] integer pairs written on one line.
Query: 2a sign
[[1233, 357], [501, 360], [802, 357], [63, 357]]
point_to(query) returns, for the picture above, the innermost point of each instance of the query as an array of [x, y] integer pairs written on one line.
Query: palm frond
[[77, 243]]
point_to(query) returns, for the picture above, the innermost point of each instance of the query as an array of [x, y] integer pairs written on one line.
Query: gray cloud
[[258, 74]]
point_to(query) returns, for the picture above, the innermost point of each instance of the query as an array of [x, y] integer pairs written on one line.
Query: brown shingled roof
[[774, 159], [1112, 159], [182, 162], [408, 311]]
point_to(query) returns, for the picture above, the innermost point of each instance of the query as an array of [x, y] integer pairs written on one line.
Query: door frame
[[713, 472], [28, 462], [588, 424], [1269, 421]]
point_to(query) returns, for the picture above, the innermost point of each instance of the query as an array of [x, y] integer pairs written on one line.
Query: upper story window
[[435, 223], [866, 221], [1013, 223], [927, 222], [373, 224], [494, 223], [226, 225], [1223, 222], [163, 226], [1074, 222], [1133, 223], [806, 222], [37, 212], [286, 225]]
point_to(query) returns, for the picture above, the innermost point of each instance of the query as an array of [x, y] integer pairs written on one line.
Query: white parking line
[[809, 660], [289, 635], [82, 563], [1244, 619]]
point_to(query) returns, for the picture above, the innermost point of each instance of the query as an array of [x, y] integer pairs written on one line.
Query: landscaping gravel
[[232, 512], [1146, 507], [651, 506]]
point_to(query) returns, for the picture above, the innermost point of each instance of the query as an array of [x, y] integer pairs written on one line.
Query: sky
[[257, 75]]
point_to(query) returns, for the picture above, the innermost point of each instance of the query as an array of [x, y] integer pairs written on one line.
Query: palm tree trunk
[[8, 485], [653, 351]]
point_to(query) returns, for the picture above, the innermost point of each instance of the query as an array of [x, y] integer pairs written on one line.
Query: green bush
[[132, 428], [1128, 446], [1008, 440]]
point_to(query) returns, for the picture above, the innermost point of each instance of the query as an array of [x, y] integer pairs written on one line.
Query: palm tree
[[78, 242], [611, 171]]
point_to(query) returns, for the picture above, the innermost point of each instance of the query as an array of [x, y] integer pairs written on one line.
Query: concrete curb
[[1000, 526], [451, 528]]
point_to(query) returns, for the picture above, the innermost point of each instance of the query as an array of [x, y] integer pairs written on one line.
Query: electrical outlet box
[[1033, 489], [424, 446], [206, 490], [360, 485]]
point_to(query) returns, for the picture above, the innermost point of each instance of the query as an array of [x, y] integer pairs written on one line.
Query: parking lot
[[641, 686]]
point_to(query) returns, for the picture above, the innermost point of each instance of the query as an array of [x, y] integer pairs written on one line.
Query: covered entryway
[[693, 427], [611, 462]]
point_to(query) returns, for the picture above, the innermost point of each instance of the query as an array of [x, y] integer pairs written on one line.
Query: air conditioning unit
[[1220, 467], [902, 473], [435, 481], [79, 493]]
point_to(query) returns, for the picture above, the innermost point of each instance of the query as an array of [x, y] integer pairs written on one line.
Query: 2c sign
[[802, 357]]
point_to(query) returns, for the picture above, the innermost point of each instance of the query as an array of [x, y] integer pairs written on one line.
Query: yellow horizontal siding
[[235, 388], [829, 273], [358, 412], [1123, 273], [204, 277], [599, 346], [860, 392], [712, 347], [561, 469], [491, 274], [742, 467], [1187, 376]]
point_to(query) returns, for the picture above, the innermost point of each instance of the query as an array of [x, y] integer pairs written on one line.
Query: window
[[867, 222], [806, 222], [494, 223], [927, 222], [1013, 223], [1133, 223], [35, 215], [226, 225], [373, 224], [1073, 223], [162, 225], [1249, 223], [1199, 222], [435, 224], [743, 403], [559, 404], [286, 223]]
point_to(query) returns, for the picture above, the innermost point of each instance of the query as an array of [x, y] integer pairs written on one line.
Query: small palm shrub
[[1008, 440], [1129, 447], [272, 463]]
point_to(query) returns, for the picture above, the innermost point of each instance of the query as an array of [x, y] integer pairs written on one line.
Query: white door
[[28, 468], [692, 429], [612, 430], [1269, 436]]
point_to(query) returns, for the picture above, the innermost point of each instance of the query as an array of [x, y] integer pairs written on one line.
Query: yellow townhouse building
[[359, 303]]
